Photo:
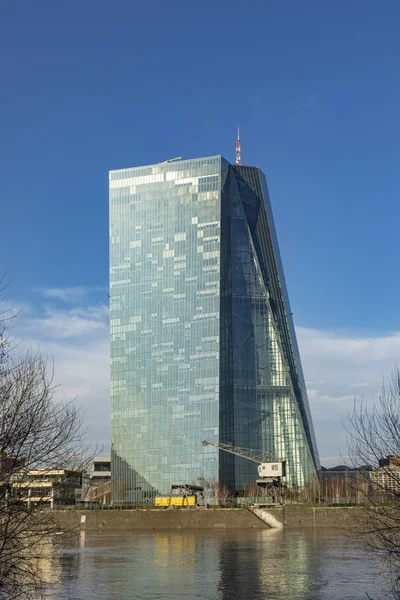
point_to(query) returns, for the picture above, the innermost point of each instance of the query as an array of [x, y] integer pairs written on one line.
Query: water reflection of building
[[187, 557], [279, 565], [134, 564], [67, 558], [174, 550], [46, 563]]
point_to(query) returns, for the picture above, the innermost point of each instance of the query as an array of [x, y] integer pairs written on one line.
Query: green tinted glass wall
[[202, 338], [263, 399], [164, 312]]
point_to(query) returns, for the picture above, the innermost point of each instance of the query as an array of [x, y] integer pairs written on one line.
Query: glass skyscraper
[[202, 339]]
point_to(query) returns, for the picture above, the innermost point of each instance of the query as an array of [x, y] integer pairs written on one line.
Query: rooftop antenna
[[238, 153]]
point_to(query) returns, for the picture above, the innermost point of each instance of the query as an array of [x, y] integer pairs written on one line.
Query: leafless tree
[[374, 433], [218, 493], [253, 490], [222, 495], [37, 431]]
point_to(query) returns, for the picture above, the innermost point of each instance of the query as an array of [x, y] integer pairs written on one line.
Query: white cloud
[[76, 341], [329, 399], [69, 294], [362, 384], [83, 371], [339, 368], [356, 348], [73, 323]]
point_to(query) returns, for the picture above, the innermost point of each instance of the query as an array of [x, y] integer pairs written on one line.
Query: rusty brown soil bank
[[239, 518]]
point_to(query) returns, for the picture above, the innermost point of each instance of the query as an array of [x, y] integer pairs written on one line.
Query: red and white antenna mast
[[238, 153]]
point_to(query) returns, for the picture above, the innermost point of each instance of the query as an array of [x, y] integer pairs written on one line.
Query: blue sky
[[92, 86]]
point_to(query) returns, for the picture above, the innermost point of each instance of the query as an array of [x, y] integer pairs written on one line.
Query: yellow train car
[[165, 501]]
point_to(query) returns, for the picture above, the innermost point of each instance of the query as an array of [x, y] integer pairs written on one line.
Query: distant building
[[387, 477], [100, 470], [203, 345], [50, 487], [342, 482], [9, 464], [96, 483], [390, 461]]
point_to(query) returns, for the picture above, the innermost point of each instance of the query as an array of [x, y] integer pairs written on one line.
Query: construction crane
[[254, 455], [271, 470]]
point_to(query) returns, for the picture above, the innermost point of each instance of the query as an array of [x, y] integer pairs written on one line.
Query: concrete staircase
[[265, 516]]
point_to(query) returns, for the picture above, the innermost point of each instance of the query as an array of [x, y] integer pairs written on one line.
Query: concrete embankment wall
[[291, 517], [332, 517], [161, 519]]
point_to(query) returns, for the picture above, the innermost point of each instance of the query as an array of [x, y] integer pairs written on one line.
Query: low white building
[[50, 487]]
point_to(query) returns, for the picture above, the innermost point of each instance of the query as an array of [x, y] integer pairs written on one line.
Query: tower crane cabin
[[271, 470]]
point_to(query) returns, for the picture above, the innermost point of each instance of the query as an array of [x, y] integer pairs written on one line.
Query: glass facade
[[202, 340]]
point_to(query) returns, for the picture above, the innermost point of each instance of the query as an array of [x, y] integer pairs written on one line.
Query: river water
[[214, 565]]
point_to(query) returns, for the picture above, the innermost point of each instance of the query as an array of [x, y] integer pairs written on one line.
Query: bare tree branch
[[37, 431], [374, 433]]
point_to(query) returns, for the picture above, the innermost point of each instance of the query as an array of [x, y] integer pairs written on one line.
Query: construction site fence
[[244, 500]]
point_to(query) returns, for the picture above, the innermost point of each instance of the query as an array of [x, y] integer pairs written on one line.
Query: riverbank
[[223, 518]]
